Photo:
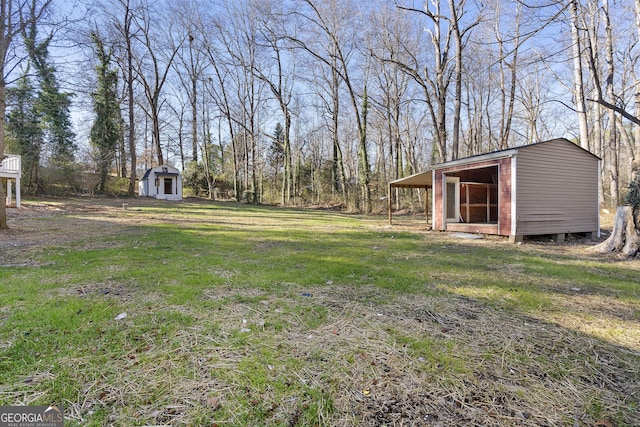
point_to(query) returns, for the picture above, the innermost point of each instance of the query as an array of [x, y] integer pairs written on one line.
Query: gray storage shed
[[549, 187]]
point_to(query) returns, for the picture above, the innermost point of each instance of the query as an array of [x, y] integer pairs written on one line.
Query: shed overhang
[[417, 180]]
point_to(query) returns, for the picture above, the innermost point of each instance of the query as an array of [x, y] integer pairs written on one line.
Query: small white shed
[[161, 182]]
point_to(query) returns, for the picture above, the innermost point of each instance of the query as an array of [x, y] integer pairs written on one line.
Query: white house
[[161, 182], [10, 170]]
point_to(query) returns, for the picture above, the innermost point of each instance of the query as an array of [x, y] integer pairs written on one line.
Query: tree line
[[314, 101]]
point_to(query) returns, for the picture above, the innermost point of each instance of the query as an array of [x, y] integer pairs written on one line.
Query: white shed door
[[452, 199]]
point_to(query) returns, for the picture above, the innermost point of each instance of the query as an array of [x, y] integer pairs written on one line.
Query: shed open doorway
[[476, 198], [469, 196]]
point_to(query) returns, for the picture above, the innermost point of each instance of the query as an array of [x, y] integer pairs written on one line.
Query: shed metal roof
[[417, 180], [424, 179]]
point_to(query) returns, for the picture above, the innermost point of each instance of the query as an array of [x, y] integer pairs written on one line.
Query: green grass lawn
[[260, 316]]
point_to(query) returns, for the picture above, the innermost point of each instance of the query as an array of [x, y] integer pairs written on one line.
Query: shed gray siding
[[556, 189]]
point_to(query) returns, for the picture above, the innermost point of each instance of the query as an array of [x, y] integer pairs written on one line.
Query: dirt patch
[[121, 291], [45, 225], [38, 224]]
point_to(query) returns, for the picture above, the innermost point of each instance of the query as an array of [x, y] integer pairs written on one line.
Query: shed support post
[[389, 203], [559, 238], [516, 238], [426, 204]]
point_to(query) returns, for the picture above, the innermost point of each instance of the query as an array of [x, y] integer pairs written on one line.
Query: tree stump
[[625, 237]]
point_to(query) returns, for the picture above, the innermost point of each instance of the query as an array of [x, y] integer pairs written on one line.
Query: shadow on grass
[[502, 317]]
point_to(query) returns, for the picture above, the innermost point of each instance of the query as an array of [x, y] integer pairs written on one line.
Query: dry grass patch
[[244, 315], [388, 360]]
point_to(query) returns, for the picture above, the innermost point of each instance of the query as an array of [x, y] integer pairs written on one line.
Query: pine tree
[[105, 131], [276, 150], [24, 133]]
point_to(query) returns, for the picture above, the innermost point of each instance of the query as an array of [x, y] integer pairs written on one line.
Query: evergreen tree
[[105, 131], [52, 104], [276, 150], [24, 133]]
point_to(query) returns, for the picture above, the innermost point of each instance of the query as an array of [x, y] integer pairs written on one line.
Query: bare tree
[[336, 51], [614, 170], [578, 74], [191, 60], [391, 99], [444, 29], [508, 97], [434, 81], [279, 76], [532, 94], [599, 92], [179, 114], [326, 85], [460, 36], [120, 17], [12, 24], [625, 236], [154, 66], [404, 133], [607, 96], [219, 89], [232, 53], [481, 88], [127, 32], [637, 86]]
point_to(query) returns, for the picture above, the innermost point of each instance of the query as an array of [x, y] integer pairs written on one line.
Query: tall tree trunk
[[578, 79], [457, 101], [363, 157], [508, 95], [181, 136], [155, 132], [206, 154], [442, 81], [123, 151], [337, 167], [636, 150], [5, 42], [3, 109], [194, 117], [11, 25], [128, 20], [613, 131], [288, 174]]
